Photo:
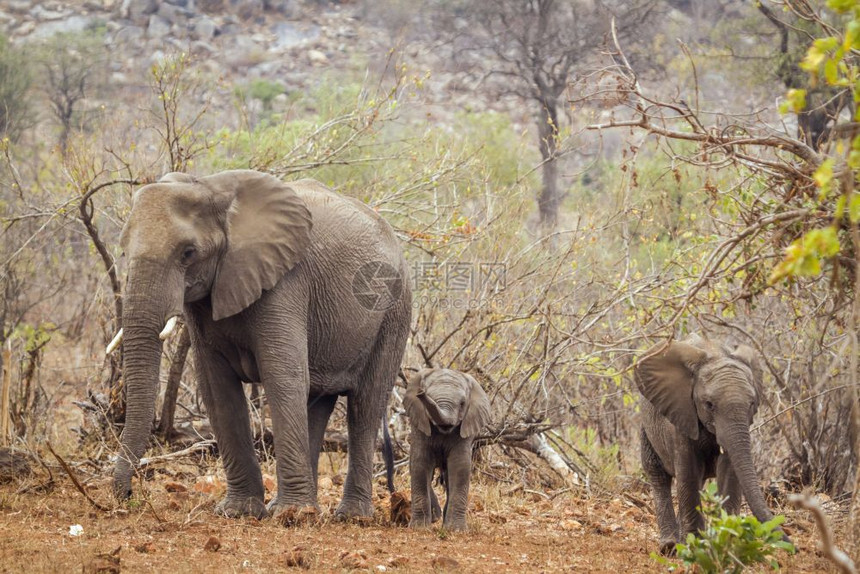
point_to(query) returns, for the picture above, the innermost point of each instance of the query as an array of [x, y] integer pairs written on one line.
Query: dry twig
[[828, 548]]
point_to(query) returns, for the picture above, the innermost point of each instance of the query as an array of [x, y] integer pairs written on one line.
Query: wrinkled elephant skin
[[447, 409], [700, 401], [264, 273]]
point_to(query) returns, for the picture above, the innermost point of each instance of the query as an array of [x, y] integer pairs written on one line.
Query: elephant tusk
[[114, 343], [168, 328]]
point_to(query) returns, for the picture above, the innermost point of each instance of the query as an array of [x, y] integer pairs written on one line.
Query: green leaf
[[841, 6], [823, 176], [831, 71], [795, 101], [854, 208]]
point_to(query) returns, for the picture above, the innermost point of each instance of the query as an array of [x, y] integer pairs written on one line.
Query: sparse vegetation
[[680, 212], [730, 543]]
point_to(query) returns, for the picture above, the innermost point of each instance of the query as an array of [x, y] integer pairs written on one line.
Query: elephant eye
[[188, 253], [709, 405]]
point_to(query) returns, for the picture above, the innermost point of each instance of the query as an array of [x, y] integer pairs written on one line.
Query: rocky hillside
[[239, 40]]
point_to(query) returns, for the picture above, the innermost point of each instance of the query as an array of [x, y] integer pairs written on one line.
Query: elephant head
[[446, 399], [697, 384], [229, 237]]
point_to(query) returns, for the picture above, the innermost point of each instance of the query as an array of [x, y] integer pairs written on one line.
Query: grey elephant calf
[[701, 399], [447, 410]]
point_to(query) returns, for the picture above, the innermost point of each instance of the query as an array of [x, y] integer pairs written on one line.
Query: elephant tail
[[387, 455]]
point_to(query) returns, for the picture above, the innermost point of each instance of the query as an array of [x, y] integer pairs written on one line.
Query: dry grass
[[171, 527]]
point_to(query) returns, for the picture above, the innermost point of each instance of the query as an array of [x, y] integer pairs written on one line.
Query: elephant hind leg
[[661, 487], [365, 406], [319, 411]]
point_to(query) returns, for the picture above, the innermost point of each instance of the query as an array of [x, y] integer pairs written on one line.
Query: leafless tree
[[70, 64], [533, 49]]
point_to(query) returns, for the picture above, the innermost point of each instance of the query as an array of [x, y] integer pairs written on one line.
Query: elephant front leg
[[224, 398], [690, 474], [661, 488], [421, 466], [286, 381], [459, 476]]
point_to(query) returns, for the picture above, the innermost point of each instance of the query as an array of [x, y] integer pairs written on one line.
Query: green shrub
[[729, 542]]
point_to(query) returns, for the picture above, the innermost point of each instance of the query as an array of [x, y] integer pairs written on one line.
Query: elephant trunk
[[735, 439], [433, 411], [143, 319]]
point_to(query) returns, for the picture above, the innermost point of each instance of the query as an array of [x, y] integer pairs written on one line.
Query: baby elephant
[[700, 400], [447, 410]]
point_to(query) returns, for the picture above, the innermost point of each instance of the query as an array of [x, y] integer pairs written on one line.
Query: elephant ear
[[665, 377], [477, 409], [749, 357], [412, 402], [268, 233]]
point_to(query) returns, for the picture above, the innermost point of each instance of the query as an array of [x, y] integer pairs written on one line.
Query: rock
[[25, 28], [317, 58], [173, 14], [281, 103], [129, 35], [266, 69], [248, 9], [200, 48], [243, 53], [288, 35], [138, 10], [286, 8], [158, 27], [19, 6], [210, 6], [70, 25], [212, 545], [299, 557], [205, 28], [39, 12]]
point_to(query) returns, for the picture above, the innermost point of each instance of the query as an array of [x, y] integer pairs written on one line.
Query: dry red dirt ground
[[171, 528]]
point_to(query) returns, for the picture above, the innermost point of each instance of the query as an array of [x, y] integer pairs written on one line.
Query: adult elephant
[[286, 284]]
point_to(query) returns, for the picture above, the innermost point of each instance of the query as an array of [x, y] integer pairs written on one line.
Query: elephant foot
[[667, 547], [436, 513], [457, 524], [237, 507], [292, 515], [420, 522], [349, 510]]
